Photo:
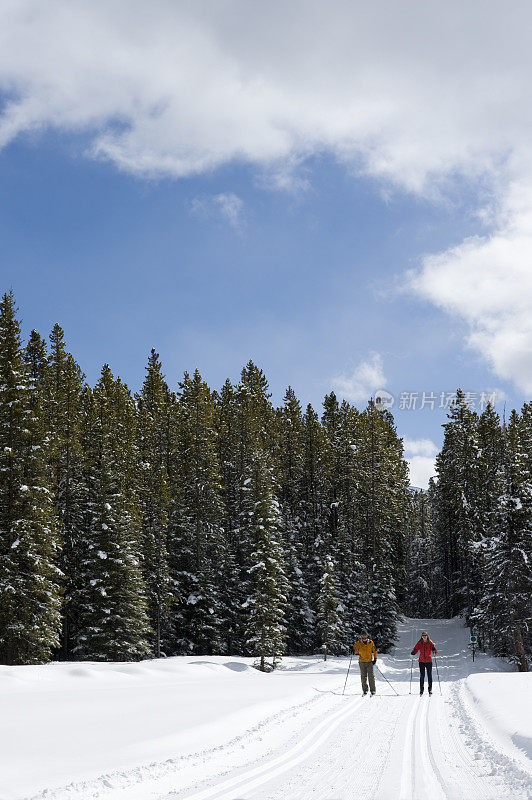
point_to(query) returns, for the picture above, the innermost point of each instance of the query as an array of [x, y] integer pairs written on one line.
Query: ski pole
[[347, 676], [438, 674], [386, 679], [411, 670]]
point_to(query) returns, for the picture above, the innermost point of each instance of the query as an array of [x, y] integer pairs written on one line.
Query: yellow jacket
[[365, 651]]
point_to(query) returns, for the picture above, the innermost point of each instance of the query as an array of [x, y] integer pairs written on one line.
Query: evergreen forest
[[181, 519]]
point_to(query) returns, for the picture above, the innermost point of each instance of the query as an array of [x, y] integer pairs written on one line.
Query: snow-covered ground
[[214, 727]]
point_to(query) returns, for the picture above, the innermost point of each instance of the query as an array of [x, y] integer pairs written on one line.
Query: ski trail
[[253, 778], [407, 773], [351, 764], [442, 789], [431, 777], [159, 778], [377, 794]]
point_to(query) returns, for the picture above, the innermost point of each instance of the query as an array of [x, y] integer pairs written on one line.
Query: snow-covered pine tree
[[314, 506], [155, 445], [196, 535], [329, 621], [231, 598], [289, 458], [458, 524], [338, 484], [332, 425], [490, 471], [524, 576], [251, 431], [383, 484], [62, 387], [352, 570], [30, 601], [398, 498], [265, 606], [420, 554], [36, 356], [490, 461], [111, 593], [262, 587], [503, 613]]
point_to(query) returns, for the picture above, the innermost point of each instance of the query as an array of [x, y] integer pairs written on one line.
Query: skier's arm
[[374, 651], [355, 649], [434, 650], [414, 651]]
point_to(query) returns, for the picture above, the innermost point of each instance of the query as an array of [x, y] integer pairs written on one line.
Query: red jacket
[[425, 650]]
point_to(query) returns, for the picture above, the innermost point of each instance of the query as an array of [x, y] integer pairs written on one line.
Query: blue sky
[[348, 266]]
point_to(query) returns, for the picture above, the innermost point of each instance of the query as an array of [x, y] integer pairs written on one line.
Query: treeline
[[471, 550], [190, 521]]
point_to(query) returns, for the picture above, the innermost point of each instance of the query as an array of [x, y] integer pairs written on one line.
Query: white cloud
[[361, 384], [487, 281], [403, 91], [421, 456], [411, 93], [226, 206]]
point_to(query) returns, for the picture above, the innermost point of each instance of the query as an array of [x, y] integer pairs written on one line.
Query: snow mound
[[503, 705]]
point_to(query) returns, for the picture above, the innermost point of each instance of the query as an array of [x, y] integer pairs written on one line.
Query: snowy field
[[214, 727]]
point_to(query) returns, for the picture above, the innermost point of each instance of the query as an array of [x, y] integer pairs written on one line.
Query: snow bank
[[65, 722], [502, 703]]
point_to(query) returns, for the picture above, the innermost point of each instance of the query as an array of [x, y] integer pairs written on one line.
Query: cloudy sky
[[340, 191]]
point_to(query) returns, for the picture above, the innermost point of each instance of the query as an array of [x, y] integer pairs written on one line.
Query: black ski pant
[[425, 665]]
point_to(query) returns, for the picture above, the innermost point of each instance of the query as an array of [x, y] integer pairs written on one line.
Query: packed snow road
[[216, 729]]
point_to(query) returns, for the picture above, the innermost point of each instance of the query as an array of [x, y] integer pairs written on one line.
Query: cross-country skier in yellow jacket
[[367, 657]]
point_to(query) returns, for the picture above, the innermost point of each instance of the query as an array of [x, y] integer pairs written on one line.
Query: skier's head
[[364, 635], [425, 637]]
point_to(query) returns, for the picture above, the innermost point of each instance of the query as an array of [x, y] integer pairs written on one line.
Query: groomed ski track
[[387, 747]]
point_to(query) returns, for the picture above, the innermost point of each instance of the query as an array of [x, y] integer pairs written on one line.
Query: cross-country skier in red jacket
[[425, 647]]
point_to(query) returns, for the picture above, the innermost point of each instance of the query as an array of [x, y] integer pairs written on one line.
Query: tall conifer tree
[[289, 458], [30, 599], [113, 619], [62, 387], [196, 526], [154, 419], [329, 621]]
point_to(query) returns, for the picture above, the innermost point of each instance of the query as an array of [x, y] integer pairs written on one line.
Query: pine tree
[[383, 487], [62, 385], [196, 525], [267, 600], [420, 589], [231, 596], [329, 622], [332, 425], [36, 357], [457, 514], [503, 613], [113, 619], [289, 458], [30, 601], [352, 558], [247, 434], [154, 412], [314, 507]]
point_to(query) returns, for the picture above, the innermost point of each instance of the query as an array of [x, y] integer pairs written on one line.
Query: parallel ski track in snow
[[253, 778], [409, 749], [420, 774], [123, 784]]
